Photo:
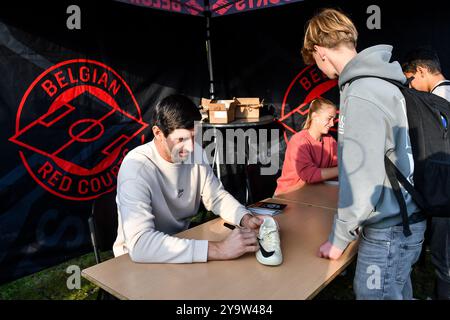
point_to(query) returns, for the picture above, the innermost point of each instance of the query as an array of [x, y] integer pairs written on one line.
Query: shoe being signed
[[269, 252]]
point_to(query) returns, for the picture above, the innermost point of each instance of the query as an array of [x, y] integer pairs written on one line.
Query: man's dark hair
[[175, 112], [424, 57]]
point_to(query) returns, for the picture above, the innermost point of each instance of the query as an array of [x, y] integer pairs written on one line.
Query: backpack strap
[[394, 82], [444, 83], [390, 171], [395, 176], [417, 197]]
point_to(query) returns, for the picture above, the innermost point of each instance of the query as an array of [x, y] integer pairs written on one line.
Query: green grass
[[51, 283], [422, 277]]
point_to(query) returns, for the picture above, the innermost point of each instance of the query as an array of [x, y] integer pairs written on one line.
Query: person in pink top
[[311, 154]]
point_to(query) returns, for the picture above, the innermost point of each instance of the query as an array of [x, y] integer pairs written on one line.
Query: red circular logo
[[309, 84], [74, 125]]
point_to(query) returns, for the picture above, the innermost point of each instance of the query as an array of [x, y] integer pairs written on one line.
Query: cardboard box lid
[[250, 102], [218, 105]]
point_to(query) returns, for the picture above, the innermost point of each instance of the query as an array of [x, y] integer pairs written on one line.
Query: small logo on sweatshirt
[[341, 124], [180, 193]]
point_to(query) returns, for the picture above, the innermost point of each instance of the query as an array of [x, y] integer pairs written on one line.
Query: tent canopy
[[213, 8]]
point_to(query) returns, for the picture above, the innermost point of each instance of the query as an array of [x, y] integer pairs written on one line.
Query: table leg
[[216, 160], [248, 188]]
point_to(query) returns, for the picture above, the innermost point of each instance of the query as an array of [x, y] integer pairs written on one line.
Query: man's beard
[[177, 158]]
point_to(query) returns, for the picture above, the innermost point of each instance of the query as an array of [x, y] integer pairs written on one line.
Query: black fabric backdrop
[[258, 53], [156, 53]]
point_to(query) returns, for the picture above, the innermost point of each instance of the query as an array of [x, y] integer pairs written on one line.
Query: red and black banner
[[191, 7], [73, 102], [257, 53], [224, 7], [216, 7]]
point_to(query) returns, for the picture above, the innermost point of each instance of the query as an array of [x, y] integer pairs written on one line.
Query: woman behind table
[[311, 154]]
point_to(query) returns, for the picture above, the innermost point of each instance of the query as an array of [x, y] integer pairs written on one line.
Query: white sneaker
[[269, 252]]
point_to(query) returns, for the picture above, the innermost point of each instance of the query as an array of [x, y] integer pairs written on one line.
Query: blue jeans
[[440, 255], [385, 258]]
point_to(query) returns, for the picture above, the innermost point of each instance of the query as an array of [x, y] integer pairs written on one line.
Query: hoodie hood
[[373, 61]]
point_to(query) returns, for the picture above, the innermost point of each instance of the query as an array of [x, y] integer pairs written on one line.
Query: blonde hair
[[329, 28], [316, 105]]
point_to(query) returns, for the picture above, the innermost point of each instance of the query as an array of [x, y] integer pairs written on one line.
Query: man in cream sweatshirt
[[158, 192]]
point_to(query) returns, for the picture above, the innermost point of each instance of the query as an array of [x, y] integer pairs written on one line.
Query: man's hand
[[251, 222], [239, 242], [328, 251]]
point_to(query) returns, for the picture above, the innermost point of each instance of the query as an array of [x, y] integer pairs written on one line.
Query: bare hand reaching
[[238, 242]]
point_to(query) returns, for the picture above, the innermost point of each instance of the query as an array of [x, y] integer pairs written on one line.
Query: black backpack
[[428, 120]]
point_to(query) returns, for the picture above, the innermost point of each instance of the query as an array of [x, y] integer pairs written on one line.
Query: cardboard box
[[220, 111], [248, 108]]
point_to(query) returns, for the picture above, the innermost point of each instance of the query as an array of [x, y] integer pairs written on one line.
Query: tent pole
[[208, 49]]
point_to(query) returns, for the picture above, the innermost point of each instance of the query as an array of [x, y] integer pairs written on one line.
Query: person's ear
[[157, 133], [320, 51], [421, 71]]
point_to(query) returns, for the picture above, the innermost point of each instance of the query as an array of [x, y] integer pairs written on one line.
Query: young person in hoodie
[[424, 68], [159, 189], [372, 123], [311, 154]]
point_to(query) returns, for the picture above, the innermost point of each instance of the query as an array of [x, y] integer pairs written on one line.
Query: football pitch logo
[[309, 84], [74, 125]]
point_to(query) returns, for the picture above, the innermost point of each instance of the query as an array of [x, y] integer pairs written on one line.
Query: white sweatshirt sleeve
[[144, 243], [219, 201]]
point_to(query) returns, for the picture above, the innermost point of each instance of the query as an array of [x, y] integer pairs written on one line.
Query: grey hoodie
[[372, 123]]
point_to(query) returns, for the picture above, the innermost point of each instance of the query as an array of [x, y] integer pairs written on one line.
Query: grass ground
[[341, 288], [51, 283]]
